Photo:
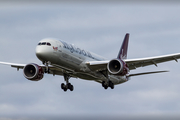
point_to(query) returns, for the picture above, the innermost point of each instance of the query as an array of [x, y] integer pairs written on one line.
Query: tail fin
[[124, 48]]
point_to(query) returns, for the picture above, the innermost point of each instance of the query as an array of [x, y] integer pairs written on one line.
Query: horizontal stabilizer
[[145, 73]]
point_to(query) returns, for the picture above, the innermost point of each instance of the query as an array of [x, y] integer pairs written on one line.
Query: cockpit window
[[44, 43], [49, 44]]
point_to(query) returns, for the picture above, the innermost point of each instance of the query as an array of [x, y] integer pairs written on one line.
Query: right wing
[[15, 65], [55, 70]]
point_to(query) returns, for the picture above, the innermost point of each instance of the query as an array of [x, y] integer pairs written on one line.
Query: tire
[[62, 86], [111, 85], [103, 84], [65, 89], [71, 88], [69, 85], [105, 87]]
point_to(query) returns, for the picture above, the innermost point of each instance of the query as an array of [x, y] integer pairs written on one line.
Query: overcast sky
[[154, 30]]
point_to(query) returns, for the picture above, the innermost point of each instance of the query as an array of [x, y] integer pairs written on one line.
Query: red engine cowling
[[33, 72], [117, 67]]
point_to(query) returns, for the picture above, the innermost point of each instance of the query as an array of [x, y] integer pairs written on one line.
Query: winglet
[[124, 48]]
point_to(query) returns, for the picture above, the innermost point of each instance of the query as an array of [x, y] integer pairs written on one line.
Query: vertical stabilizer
[[124, 48]]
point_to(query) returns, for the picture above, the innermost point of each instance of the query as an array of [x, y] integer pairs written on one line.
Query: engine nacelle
[[33, 72], [117, 67]]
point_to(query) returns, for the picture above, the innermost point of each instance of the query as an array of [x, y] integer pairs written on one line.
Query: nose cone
[[42, 53], [39, 53]]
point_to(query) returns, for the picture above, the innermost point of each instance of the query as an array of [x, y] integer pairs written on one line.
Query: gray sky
[[154, 30]]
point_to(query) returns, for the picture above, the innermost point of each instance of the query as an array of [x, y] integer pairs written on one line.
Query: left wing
[[135, 63]]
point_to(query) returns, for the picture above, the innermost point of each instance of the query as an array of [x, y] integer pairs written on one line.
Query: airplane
[[64, 59]]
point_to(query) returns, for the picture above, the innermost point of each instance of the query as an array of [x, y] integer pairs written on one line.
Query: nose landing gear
[[47, 67]]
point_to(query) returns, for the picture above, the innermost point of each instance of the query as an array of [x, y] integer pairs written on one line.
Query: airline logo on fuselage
[[55, 48], [72, 49]]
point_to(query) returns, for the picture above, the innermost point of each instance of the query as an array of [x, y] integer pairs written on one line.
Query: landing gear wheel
[[105, 87], [65, 89], [62, 86], [111, 85], [103, 84], [69, 85], [71, 88]]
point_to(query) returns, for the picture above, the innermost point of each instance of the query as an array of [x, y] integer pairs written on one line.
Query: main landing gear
[[108, 84], [68, 85]]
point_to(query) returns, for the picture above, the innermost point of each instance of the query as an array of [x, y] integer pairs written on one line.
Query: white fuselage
[[72, 59]]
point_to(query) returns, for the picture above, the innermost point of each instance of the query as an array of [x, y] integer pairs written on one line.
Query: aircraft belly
[[90, 76], [85, 76]]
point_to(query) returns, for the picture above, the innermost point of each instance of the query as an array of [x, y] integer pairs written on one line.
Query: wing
[[135, 63], [15, 65], [55, 70]]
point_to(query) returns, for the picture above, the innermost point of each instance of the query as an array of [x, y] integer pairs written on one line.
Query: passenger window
[[48, 44], [44, 43]]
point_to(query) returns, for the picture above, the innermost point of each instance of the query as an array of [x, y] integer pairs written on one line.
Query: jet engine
[[33, 72], [117, 67]]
